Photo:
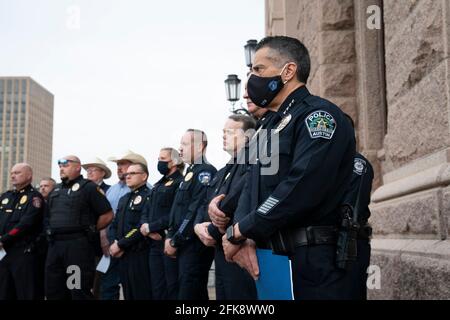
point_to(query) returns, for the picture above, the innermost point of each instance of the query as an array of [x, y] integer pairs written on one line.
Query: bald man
[[21, 214], [76, 209]]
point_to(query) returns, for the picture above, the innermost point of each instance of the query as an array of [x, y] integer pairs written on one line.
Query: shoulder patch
[[37, 202], [204, 177], [320, 124], [359, 166]]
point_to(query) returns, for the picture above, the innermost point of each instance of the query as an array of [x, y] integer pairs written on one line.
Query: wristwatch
[[231, 238]]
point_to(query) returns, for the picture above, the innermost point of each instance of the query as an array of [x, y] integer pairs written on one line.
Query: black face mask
[[262, 90], [163, 167]]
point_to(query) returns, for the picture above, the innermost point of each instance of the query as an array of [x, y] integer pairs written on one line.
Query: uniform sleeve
[[309, 179], [171, 229], [244, 203], [361, 183], [97, 200], [31, 217], [134, 235], [160, 224], [145, 213], [187, 227], [215, 233]]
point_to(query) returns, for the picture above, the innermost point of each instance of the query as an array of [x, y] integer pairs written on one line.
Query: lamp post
[[250, 49], [233, 89], [233, 83]]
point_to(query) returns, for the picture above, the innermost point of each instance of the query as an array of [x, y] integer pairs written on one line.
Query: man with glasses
[[110, 281], [97, 171], [128, 244], [76, 208]]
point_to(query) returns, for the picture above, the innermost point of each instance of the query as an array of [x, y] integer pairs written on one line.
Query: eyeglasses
[[132, 173], [91, 170], [65, 162]]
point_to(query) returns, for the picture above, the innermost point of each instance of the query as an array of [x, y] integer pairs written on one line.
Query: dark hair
[[142, 166], [175, 157], [247, 121], [350, 119], [289, 50], [199, 133]]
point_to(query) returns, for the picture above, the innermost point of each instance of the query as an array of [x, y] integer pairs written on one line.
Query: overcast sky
[[130, 74]]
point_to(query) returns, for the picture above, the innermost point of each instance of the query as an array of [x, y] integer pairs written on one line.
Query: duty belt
[[314, 235], [68, 236]]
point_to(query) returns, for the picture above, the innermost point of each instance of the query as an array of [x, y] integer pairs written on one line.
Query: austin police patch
[[359, 166], [204, 177], [320, 124]]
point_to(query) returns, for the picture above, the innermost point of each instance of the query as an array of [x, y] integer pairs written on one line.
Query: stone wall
[[395, 82]]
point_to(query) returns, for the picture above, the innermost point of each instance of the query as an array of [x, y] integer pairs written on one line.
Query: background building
[[395, 82], [26, 127]]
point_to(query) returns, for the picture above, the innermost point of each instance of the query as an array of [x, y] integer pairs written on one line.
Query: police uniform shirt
[[190, 197], [228, 181], [261, 123], [249, 197], [21, 214], [127, 222], [310, 173], [79, 189], [161, 199], [362, 169]]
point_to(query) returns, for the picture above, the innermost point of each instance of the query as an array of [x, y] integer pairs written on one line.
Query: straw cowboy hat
[[97, 162], [129, 156]]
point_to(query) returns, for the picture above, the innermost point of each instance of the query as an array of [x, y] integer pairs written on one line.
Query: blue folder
[[275, 280]]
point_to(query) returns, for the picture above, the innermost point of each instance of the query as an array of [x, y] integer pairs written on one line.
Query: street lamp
[[250, 49], [233, 89]]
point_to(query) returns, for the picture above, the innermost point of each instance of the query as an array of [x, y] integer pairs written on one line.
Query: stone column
[[371, 86], [410, 210]]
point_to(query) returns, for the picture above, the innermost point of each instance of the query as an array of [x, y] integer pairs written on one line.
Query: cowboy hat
[[97, 162]]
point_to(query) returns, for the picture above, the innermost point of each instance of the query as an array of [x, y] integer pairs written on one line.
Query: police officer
[[110, 281], [232, 282], [155, 222], [76, 209], [358, 197], [301, 189], [21, 215], [194, 259], [128, 244]]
